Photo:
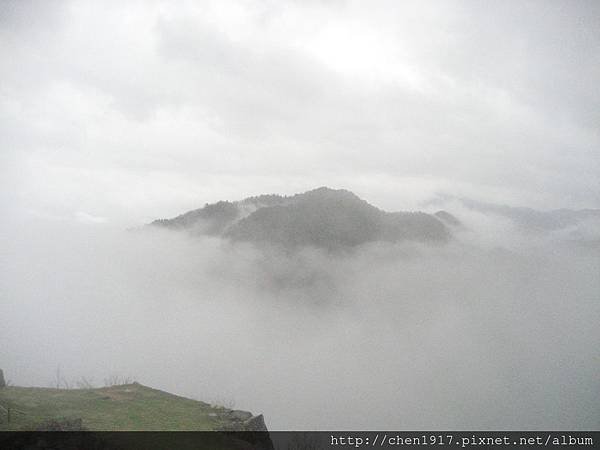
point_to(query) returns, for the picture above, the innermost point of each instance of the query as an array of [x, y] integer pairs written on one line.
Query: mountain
[[535, 220], [323, 218]]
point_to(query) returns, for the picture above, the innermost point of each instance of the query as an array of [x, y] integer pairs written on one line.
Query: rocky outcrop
[[243, 421], [255, 423], [247, 431], [238, 415]]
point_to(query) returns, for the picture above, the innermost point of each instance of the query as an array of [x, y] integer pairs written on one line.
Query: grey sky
[[121, 113]]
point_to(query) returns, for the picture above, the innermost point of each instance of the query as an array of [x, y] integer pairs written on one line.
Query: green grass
[[130, 407]]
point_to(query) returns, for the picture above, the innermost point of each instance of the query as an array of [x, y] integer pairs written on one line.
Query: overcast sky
[[121, 112]]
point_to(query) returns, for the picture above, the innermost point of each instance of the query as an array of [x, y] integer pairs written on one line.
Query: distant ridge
[[535, 220], [323, 218]]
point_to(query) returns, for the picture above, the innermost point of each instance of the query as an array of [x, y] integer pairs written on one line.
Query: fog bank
[[477, 334]]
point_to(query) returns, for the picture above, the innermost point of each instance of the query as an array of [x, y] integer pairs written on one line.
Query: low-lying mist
[[470, 335]]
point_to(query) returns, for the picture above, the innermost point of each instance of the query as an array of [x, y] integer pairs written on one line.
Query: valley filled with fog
[[497, 328], [401, 220]]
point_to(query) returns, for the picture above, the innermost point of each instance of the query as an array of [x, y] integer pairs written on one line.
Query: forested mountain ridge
[[324, 218]]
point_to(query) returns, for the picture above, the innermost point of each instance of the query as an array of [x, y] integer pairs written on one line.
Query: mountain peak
[[328, 193], [325, 190]]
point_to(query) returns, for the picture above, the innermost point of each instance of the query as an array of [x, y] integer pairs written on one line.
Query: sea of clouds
[[496, 330]]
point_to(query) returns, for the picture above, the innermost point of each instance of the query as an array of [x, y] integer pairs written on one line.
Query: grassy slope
[[126, 407]]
